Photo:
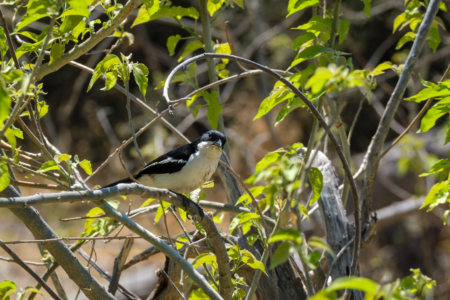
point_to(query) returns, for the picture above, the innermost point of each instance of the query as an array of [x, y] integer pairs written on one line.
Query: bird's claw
[[198, 208]]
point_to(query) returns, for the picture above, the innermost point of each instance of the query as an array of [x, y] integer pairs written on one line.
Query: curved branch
[[309, 104]]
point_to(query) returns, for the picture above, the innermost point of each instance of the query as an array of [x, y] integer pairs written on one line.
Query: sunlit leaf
[[102, 67], [4, 176], [286, 235], [246, 198], [62, 157], [367, 7], [152, 6], [316, 180], [56, 51], [214, 108], [77, 8], [205, 258], [86, 165], [297, 5], [282, 254], [343, 26], [172, 42], [147, 202], [300, 40], [36, 9], [318, 242], [140, 72], [48, 166], [160, 210], [5, 103], [190, 47], [242, 218], [213, 6]]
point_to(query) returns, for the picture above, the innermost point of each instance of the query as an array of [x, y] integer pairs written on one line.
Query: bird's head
[[214, 137]]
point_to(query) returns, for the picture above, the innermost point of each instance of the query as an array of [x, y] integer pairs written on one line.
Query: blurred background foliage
[[93, 124]]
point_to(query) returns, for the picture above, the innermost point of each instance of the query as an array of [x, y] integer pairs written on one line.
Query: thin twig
[[130, 122], [71, 239], [38, 185], [29, 270], [123, 164], [165, 224], [12, 51], [352, 127], [119, 262], [32, 263], [174, 285]]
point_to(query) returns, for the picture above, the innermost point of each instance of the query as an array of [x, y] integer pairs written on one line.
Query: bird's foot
[[198, 208]]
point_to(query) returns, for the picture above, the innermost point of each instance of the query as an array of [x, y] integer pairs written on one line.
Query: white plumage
[[199, 168]]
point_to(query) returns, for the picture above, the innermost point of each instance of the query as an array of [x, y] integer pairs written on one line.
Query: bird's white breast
[[199, 168]]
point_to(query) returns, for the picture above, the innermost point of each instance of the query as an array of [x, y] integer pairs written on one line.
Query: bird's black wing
[[171, 162]]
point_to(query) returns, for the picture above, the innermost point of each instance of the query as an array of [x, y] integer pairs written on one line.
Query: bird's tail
[[126, 180]]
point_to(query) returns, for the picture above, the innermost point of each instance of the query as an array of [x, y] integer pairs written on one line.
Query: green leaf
[[399, 20], [174, 12], [434, 39], [5, 103], [160, 210], [240, 3], [140, 73], [205, 258], [77, 8], [36, 9], [316, 180], [242, 218], [437, 91], [353, 283], [25, 48], [387, 65], [219, 219], [192, 72], [312, 260], [181, 239], [367, 7], [432, 115], [62, 157], [252, 238], [147, 202], [196, 110], [251, 261], [297, 5], [267, 160], [3, 43], [408, 37], [223, 49], [309, 53], [282, 254], [286, 235], [152, 6], [191, 47], [48, 166], [214, 108], [69, 23], [86, 165], [288, 108], [56, 51], [246, 198], [172, 42], [6, 286], [96, 211], [214, 5], [342, 30], [102, 67], [300, 40], [110, 81], [437, 195], [303, 211], [442, 6], [318, 242], [43, 109], [4, 178]]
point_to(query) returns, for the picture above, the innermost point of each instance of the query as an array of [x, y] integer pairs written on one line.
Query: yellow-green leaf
[[316, 180], [86, 165]]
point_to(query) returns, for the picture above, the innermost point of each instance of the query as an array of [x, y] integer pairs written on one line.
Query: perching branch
[[145, 192]]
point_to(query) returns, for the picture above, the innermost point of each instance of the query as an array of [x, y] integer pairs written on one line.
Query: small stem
[[130, 121], [334, 25]]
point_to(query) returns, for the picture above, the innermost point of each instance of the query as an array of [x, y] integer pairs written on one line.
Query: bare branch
[[119, 262], [374, 151]]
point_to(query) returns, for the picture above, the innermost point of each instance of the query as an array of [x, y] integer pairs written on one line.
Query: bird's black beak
[[218, 143]]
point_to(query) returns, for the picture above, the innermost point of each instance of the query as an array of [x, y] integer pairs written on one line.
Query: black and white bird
[[185, 168]]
